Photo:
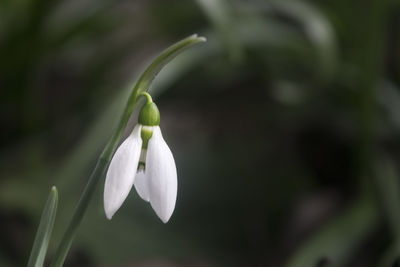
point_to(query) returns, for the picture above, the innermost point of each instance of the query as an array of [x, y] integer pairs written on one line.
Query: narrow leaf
[[45, 228]]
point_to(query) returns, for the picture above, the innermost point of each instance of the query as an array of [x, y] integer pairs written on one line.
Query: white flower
[[151, 170]]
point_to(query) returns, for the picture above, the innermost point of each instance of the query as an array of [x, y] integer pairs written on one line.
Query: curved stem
[[147, 96], [142, 85]]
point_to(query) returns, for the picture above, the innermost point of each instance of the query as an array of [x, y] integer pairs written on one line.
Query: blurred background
[[284, 127]]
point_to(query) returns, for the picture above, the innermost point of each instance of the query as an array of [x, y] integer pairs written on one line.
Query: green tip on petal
[[146, 134]]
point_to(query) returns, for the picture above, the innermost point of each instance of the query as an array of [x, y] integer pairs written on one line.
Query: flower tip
[[109, 211], [164, 215], [109, 215], [165, 219]]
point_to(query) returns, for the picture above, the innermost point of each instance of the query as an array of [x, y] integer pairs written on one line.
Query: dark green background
[[284, 128]]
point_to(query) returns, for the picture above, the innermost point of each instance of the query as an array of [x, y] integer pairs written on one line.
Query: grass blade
[[45, 228]]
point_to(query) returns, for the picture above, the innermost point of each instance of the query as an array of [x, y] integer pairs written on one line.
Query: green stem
[[147, 96], [142, 85]]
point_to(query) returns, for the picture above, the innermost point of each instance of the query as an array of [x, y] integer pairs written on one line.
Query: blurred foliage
[[284, 128]]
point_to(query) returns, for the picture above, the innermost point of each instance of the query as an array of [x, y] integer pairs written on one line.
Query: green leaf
[[43, 233]]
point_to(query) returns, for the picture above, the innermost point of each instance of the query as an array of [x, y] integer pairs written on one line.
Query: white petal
[[161, 173], [121, 172], [142, 185]]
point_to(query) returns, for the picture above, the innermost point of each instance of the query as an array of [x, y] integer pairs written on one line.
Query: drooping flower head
[[144, 160]]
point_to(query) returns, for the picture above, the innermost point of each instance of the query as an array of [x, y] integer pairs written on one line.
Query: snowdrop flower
[[143, 160]]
